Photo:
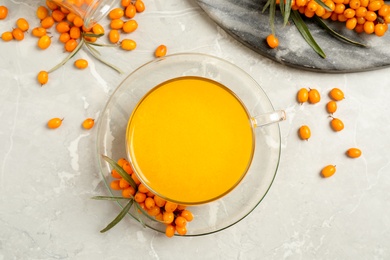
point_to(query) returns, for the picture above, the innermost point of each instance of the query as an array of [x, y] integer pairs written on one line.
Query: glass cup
[[91, 11]]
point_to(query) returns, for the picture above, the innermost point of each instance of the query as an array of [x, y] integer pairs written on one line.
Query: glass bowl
[[237, 204]]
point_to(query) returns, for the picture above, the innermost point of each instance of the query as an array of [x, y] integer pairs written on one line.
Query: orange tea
[[190, 140]]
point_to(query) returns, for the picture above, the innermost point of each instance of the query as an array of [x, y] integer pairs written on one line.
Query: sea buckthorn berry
[[3, 12], [180, 221], [359, 28], [127, 168], [272, 41], [114, 36], [70, 17], [339, 8], [82, 64], [170, 231], [123, 183], [360, 12], [89, 122], [149, 203], [314, 96], [7, 36], [354, 4], [181, 207], [38, 31], [342, 18], [43, 77], [168, 217], [47, 22], [90, 39], [64, 10], [62, 27], [300, 3], [159, 201], [51, 5], [115, 185], [159, 216], [116, 13], [130, 11], [187, 215], [302, 95], [64, 37], [160, 51], [121, 161], [75, 32], [320, 11], [54, 123], [116, 24], [331, 107], [349, 13], [153, 211], [369, 27], [336, 94], [142, 188], [351, 23], [181, 230], [130, 26], [18, 34], [22, 24], [384, 10], [328, 171], [374, 5], [304, 132], [135, 178], [336, 124], [364, 3], [70, 45], [128, 192], [326, 15], [380, 29], [139, 6], [78, 22], [57, 15], [309, 13], [354, 152], [128, 45], [115, 174], [170, 206], [125, 3], [139, 197], [98, 29], [361, 20], [330, 4], [371, 16], [44, 42], [312, 6]]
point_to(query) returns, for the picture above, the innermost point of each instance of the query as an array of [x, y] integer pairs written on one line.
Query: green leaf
[[327, 8], [336, 34], [285, 8], [121, 172], [93, 53], [114, 198], [272, 9], [93, 35], [78, 47], [267, 5], [302, 28], [118, 218], [102, 45]]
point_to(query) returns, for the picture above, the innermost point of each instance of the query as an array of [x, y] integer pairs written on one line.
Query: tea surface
[[190, 140]]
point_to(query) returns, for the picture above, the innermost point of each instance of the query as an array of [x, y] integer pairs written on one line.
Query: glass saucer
[[237, 204]]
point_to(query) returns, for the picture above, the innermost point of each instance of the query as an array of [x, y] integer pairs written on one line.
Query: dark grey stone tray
[[244, 20]]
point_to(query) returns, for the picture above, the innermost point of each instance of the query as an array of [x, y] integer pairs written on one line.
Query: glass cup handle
[[269, 118]]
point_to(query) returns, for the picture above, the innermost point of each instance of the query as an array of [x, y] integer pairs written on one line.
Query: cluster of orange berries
[[173, 215], [369, 16], [57, 122], [313, 96]]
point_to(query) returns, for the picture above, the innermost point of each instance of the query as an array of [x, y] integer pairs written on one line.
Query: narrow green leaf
[[102, 45], [267, 5], [93, 53], [327, 8], [118, 218], [121, 172], [78, 47], [272, 9], [336, 34], [302, 28], [93, 35], [285, 8], [114, 198]]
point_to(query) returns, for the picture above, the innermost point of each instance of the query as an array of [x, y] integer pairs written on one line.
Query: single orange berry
[[121, 161], [54, 123], [331, 107], [336, 124], [180, 221], [115, 185], [336, 94], [160, 51], [115, 174], [142, 188], [168, 217], [139, 6], [328, 171], [123, 183], [354, 152], [380, 29], [181, 230], [130, 26], [58, 16], [44, 42], [116, 24], [159, 201], [64, 37], [170, 231], [125, 3], [272, 41], [3, 12], [187, 215], [47, 22], [114, 36], [140, 197], [369, 27], [39, 32], [135, 178], [70, 17], [78, 21], [88, 123], [98, 29], [128, 169], [18, 34], [128, 45], [149, 203], [22, 24], [43, 77], [70, 45], [116, 13], [130, 11], [170, 206], [153, 211], [75, 32], [304, 132], [82, 64], [62, 27], [51, 5], [128, 192], [314, 96], [7, 36], [303, 95]]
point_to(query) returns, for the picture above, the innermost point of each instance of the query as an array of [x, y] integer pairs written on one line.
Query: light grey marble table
[[47, 178]]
